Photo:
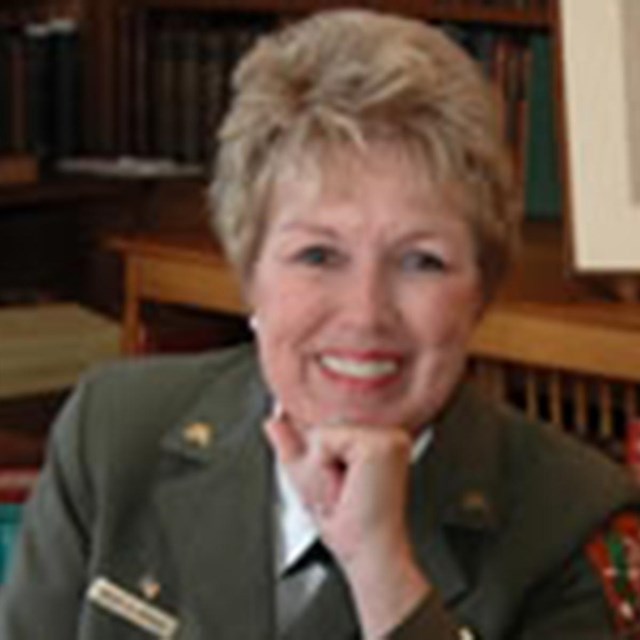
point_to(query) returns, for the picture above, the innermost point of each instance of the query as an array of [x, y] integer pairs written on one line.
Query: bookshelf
[[41, 79], [42, 109], [163, 50]]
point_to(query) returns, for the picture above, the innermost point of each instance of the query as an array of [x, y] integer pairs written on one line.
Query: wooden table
[[45, 348], [178, 268]]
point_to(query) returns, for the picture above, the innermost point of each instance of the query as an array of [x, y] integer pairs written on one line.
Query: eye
[[317, 255], [418, 260]]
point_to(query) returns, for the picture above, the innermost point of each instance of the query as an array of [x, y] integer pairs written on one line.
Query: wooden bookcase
[[163, 48], [516, 26], [115, 81], [40, 85]]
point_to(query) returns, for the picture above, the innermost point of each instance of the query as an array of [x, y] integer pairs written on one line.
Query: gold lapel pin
[[475, 501], [198, 434], [149, 587]]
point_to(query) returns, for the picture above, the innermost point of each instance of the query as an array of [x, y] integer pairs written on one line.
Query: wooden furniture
[[45, 348], [575, 365], [178, 269]]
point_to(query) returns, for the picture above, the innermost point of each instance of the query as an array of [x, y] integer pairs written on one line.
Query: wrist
[[386, 588]]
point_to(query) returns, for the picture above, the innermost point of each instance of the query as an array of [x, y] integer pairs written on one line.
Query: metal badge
[[135, 610]]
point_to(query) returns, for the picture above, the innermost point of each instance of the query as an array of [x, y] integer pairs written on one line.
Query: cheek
[[287, 319], [447, 316]]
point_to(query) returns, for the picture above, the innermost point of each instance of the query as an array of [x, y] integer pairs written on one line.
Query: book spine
[[15, 487], [39, 90], [10, 517], [18, 83], [6, 89], [542, 183], [141, 79], [165, 89], [190, 95], [214, 80], [67, 90]]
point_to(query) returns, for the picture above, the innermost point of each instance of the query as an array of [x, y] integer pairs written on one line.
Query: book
[[10, 517], [215, 91], [189, 78], [15, 487], [134, 111], [5, 90], [39, 82], [164, 87], [66, 70], [16, 483], [543, 193], [128, 167], [18, 91]]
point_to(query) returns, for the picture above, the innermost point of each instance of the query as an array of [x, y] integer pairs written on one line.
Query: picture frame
[[600, 81]]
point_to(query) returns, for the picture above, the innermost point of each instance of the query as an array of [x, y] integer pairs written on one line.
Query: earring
[[253, 323]]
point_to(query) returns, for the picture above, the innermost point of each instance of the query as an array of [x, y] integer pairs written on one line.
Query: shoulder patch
[[615, 555]]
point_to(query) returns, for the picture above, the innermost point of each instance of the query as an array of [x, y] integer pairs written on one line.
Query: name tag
[[135, 610]]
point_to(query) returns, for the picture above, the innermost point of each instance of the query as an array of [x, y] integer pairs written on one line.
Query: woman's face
[[365, 292]]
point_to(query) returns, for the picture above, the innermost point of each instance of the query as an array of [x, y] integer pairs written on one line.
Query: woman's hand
[[354, 480]]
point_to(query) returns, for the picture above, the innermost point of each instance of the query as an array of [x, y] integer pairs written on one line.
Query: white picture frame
[[600, 75]]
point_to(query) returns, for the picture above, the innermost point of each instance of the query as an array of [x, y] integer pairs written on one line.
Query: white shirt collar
[[295, 530]]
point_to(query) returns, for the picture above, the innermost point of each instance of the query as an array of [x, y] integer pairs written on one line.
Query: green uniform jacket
[[500, 510]]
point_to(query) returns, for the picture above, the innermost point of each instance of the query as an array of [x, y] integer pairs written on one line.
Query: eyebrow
[[312, 227], [298, 225]]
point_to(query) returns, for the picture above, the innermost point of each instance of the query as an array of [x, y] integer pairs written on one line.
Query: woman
[[343, 482]]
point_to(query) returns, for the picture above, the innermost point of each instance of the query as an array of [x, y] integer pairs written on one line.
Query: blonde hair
[[349, 78]]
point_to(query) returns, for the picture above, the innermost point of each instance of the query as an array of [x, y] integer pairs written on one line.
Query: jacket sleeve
[[583, 600], [596, 596], [571, 607], [429, 621], [46, 584]]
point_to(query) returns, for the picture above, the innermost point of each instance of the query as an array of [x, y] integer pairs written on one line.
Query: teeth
[[364, 369]]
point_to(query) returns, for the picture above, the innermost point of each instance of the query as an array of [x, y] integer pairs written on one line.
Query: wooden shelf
[[526, 18], [241, 6], [65, 190]]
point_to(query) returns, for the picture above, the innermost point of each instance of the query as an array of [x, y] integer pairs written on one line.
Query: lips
[[361, 369]]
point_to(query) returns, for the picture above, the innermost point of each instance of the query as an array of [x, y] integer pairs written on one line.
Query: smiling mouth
[[363, 369]]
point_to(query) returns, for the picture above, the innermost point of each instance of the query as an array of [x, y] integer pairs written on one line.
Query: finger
[[283, 437]]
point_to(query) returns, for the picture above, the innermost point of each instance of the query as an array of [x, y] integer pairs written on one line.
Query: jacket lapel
[[457, 496], [213, 500]]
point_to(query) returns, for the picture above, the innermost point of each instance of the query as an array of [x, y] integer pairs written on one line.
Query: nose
[[368, 300]]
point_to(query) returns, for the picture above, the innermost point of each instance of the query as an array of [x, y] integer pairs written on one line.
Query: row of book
[[521, 67], [41, 89], [174, 85], [175, 89], [15, 486]]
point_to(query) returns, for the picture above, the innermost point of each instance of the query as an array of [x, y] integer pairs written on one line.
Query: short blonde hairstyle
[[352, 78]]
